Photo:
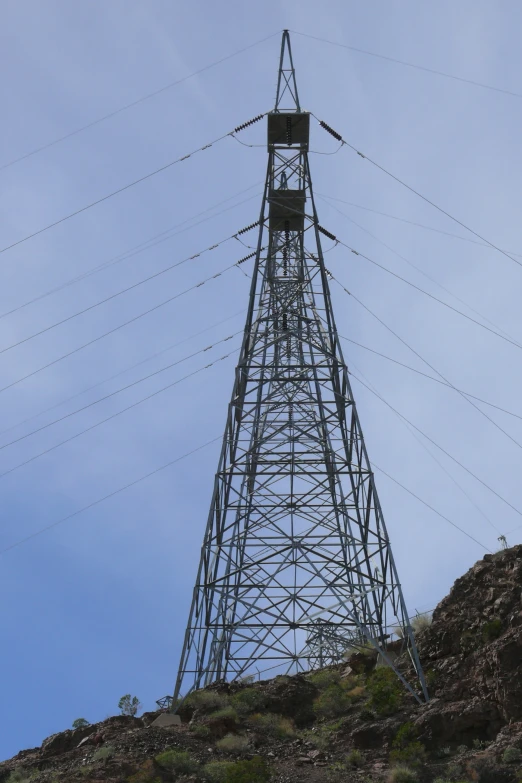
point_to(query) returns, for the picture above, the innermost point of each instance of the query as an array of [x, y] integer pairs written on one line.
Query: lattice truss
[[295, 534]]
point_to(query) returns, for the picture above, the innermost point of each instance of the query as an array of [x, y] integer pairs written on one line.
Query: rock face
[[474, 644], [470, 730]]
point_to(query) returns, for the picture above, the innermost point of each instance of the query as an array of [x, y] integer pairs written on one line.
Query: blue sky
[[96, 607]]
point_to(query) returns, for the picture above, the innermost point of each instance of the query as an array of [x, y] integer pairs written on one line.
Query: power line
[[117, 391], [117, 328], [420, 195], [454, 459], [426, 293], [141, 247], [411, 222], [430, 377], [413, 65], [135, 103], [438, 462], [121, 372], [428, 505], [112, 416], [414, 266], [108, 496], [425, 361], [119, 190], [117, 294]]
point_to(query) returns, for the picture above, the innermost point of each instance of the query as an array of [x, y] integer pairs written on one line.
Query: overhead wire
[[117, 391], [464, 397], [121, 372], [112, 416], [444, 451], [116, 294], [141, 247], [109, 495], [430, 296], [127, 186], [432, 508], [416, 192], [414, 266], [416, 66], [419, 356], [117, 328], [434, 458], [411, 222], [430, 377], [130, 105]]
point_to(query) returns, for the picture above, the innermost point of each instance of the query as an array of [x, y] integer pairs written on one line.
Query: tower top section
[[287, 98], [288, 126]]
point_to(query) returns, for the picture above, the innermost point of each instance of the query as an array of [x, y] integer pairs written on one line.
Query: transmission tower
[[295, 531]]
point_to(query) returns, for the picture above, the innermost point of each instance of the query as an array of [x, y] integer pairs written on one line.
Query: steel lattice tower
[[295, 534]]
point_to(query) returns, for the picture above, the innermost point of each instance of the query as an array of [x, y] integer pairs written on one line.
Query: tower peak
[[287, 97]]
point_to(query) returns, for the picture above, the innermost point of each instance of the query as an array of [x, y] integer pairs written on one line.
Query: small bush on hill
[[226, 712], [145, 774], [200, 730], [79, 723], [420, 622], [217, 771], [19, 776], [233, 743], [331, 702], [354, 758], [273, 725], [129, 705], [403, 775], [103, 753], [491, 630], [385, 691], [324, 678], [247, 701], [356, 693], [255, 770], [207, 701], [406, 749], [511, 755], [177, 761], [322, 735]]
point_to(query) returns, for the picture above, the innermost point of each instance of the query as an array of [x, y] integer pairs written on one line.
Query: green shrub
[[324, 678], [321, 736], [145, 774], [225, 712], [200, 730], [406, 749], [331, 702], [385, 691], [103, 753], [177, 761], [79, 723], [491, 630], [462, 749], [217, 771], [233, 743], [207, 701], [356, 693], [511, 755], [19, 776], [255, 770], [129, 705], [273, 725], [403, 775], [354, 758], [247, 701]]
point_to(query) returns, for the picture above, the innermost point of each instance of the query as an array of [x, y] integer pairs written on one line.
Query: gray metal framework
[[295, 534]]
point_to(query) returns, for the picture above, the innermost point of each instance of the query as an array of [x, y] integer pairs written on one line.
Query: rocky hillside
[[342, 724]]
